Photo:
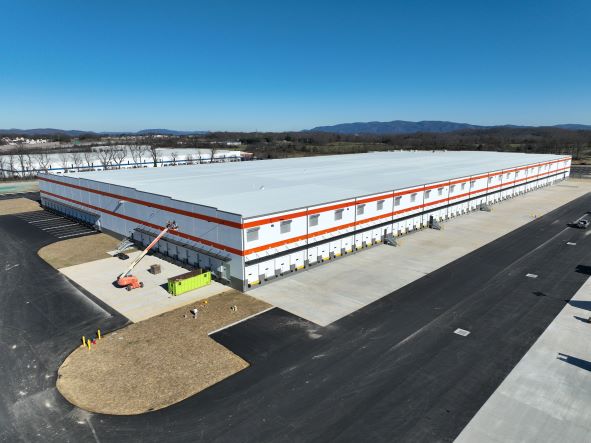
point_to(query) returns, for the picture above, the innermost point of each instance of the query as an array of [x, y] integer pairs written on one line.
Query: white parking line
[[42, 223], [45, 219], [33, 215], [62, 226], [79, 234], [67, 232], [75, 228]]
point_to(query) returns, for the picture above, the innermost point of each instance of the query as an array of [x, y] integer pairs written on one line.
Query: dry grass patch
[[18, 206], [75, 251], [157, 362]]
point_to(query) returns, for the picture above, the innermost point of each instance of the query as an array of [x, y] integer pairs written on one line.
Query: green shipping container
[[187, 282]]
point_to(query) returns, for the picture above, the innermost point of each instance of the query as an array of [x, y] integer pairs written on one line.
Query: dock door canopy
[[178, 250], [89, 217]]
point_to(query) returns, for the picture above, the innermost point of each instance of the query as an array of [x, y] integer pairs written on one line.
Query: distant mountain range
[[406, 127], [77, 133], [393, 127]]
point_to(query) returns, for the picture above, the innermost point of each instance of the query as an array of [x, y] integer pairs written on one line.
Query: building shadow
[[578, 362], [583, 269], [583, 319], [582, 304]]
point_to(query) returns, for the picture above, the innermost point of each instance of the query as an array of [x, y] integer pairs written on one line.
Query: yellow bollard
[[88, 343], [99, 334], [83, 341]]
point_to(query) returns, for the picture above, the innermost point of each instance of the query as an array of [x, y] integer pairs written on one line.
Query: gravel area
[[75, 251], [157, 362], [18, 206]]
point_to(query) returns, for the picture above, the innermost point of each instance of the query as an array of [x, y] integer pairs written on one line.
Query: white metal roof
[[262, 187]]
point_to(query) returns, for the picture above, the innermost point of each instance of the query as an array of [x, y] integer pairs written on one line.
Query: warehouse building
[[252, 222]]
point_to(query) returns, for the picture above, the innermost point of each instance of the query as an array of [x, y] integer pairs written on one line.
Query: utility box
[[155, 269], [187, 282]]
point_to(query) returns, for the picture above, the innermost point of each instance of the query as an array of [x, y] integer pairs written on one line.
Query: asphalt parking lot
[[11, 195], [56, 225], [393, 371]]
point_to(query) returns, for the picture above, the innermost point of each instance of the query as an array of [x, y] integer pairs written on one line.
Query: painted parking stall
[[56, 225]]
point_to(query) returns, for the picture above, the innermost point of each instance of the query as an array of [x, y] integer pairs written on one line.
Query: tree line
[[547, 140], [108, 151]]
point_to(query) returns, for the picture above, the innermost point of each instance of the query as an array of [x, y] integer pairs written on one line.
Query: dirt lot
[[157, 362], [17, 206], [75, 251]]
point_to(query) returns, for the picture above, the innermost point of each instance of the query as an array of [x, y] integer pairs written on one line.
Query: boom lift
[[128, 281]]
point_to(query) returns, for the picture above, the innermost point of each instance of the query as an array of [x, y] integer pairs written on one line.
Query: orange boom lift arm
[[128, 281]]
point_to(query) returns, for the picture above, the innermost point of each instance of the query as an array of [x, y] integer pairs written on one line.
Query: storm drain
[[462, 332], [532, 275]]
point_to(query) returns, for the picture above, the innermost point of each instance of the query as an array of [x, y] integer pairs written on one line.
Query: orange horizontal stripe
[[145, 223], [261, 222], [374, 199], [369, 220], [294, 215], [149, 204], [302, 213]]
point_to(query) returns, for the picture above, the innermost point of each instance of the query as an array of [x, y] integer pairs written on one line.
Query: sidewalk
[[546, 398]]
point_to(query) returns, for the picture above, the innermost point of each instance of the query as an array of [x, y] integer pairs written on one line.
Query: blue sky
[[290, 65]]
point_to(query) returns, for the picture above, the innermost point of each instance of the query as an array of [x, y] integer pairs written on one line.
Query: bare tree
[[43, 161], [11, 164], [89, 157], [153, 151], [119, 154], [137, 153], [105, 156], [213, 148], [189, 159], [29, 163], [173, 156], [64, 158], [21, 154], [3, 166], [76, 160]]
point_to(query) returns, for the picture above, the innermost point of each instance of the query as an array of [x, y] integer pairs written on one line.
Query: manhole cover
[[461, 332], [532, 275]]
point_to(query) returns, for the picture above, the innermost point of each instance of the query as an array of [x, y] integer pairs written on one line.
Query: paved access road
[[10, 195], [394, 371], [42, 316]]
